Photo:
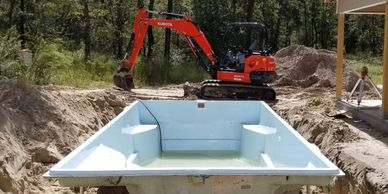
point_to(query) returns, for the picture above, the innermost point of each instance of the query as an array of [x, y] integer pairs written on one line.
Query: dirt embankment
[[40, 125], [360, 151]]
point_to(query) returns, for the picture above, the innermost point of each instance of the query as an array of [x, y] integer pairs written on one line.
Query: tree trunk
[[86, 33], [22, 22], [10, 13], [249, 17], [177, 40], [276, 34], [324, 32], [288, 37], [151, 39], [167, 37], [306, 35], [313, 17], [120, 21], [234, 7], [140, 4]]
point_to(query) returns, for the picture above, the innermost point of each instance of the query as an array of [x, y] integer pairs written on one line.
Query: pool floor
[[209, 159]]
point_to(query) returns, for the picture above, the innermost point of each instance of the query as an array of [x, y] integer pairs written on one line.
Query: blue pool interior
[[203, 135]]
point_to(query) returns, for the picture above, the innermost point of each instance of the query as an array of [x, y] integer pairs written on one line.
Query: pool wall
[[144, 129]]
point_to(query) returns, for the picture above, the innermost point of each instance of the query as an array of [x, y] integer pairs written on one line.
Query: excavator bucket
[[123, 79]]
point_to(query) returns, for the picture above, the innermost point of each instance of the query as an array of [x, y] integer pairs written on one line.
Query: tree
[[22, 22], [150, 35], [167, 36], [140, 4], [213, 19], [250, 9], [120, 21], [10, 13], [86, 30]]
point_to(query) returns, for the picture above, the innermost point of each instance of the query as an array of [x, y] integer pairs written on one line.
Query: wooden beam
[[347, 6], [378, 9], [384, 107], [340, 54]]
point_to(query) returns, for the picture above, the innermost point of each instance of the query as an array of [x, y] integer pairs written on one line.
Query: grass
[[98, 73], [54, 64], [157, 72], [82, 79], [374, 64]]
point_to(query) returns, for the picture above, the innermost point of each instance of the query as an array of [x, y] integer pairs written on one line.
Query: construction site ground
[[39, 125]]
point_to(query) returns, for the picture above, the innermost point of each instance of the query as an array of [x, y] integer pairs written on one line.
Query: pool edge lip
[[58, 172], [195, 172]]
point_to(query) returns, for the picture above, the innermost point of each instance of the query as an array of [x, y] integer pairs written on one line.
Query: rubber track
[[216, 89]]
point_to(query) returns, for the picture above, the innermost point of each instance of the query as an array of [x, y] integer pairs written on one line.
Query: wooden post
[[340, 54], [384, 107]]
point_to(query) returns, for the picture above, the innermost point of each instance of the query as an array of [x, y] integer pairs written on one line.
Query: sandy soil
[[360, 151], [40, 125], [298, 65]]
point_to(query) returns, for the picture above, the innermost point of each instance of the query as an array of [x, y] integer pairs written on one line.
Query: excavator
[[238, 73]]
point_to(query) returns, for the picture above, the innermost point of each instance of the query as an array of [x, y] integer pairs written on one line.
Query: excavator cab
[[235, 52]]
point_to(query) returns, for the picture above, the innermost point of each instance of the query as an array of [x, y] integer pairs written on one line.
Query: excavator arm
[[182, 24]]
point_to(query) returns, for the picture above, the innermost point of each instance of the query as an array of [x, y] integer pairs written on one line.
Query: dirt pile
[[361, 152], [40, 125], [302, 66]]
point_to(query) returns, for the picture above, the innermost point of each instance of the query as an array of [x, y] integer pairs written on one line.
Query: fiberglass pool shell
[[161, 138]]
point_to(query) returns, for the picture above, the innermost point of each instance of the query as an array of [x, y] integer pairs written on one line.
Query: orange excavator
[[236, 74]]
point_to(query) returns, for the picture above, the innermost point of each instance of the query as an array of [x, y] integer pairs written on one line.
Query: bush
[[54, 64], [48, 60], [10, 64]]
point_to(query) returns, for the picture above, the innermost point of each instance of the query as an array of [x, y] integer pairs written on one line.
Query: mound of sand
[[302, 66], [40, 125]]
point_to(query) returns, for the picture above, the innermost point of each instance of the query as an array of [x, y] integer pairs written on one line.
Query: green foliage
[[56, 32], [307, 22], [55, 65], [365, 34], [10, 64], [374, 64], [48, 59]]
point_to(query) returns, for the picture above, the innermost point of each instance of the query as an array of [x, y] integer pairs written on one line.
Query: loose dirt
[[302, 66], [41, 125], [360, 151]]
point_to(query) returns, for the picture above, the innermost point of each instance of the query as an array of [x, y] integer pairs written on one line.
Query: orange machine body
[[253, 63]]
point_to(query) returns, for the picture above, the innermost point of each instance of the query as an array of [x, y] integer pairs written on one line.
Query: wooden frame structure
[[361, 7]]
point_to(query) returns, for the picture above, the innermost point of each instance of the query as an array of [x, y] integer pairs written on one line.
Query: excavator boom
[[183, 25]]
